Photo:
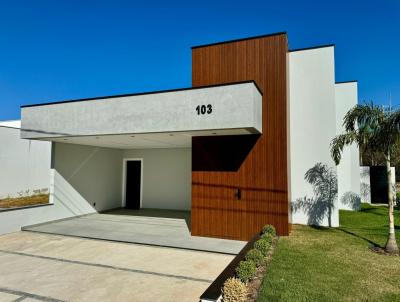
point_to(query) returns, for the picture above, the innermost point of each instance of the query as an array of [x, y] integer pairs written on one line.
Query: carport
[[135, 152], [166, 228]]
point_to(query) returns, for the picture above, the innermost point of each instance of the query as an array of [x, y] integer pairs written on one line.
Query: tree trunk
[[391, 244], [330, 216]]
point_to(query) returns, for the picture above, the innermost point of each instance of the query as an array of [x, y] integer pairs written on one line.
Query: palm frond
[[339, 142], [393, 121], [364, 115]]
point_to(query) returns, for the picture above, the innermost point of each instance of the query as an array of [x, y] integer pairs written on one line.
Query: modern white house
[[233, 149]]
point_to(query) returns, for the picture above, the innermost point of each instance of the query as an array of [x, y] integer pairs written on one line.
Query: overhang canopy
[[228, 109]]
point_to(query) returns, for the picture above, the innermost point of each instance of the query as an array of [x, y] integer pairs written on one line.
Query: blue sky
[[58, 50]]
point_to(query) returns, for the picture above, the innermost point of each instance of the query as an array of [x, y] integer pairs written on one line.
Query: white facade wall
[[24, 165], [167, 177], [312, 125], [348, 171]]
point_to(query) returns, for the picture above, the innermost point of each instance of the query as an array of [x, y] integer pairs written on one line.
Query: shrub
[[246, 270], [255, 255], [234, 290], [269, 229], [267, 237], [263, 246]]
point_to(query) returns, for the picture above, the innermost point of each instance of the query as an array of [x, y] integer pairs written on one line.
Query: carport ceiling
[[146, 140]]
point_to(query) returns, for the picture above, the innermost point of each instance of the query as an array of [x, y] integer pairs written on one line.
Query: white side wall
[[24, 165], [90, 175], [312, 124], [348, 171], [167, 177], [81, 176]]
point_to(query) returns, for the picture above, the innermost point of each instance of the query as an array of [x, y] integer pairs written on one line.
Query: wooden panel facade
[[240, 183]]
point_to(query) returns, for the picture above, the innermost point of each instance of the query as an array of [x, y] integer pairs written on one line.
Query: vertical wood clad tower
[[240, 183]]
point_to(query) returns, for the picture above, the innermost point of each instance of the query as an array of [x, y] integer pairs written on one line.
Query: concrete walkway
[[145, 226], [43, 267]]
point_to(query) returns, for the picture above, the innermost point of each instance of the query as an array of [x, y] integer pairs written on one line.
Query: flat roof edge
[[144, 93], [346, 82], [9, 127], [312, 47], [240, 39]]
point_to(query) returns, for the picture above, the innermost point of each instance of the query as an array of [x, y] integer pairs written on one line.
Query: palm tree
[[372, 128]]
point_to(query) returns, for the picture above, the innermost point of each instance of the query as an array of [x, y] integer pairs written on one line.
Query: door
[[378, 183], [133, 184]]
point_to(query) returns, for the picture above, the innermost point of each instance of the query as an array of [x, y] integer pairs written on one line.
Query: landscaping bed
[[254, 284], [241, 279], [25, 201]]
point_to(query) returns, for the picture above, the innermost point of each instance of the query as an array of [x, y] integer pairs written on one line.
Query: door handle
[[238, 194]]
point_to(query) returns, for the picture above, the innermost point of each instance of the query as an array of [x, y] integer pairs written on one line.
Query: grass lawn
[[24, 201], [322, 264]]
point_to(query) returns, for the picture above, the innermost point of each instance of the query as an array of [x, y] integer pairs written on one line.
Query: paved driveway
[[44, 267], [147, 226]]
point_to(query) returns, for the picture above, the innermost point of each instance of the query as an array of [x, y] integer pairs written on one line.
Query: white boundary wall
[[312, 124], [24, 165], [348, 171]]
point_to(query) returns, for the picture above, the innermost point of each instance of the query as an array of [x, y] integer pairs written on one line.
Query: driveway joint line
[[106, 266], [28, 295], [20, 299]]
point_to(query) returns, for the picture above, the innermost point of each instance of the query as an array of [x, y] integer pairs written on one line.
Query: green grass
[[322, 264]]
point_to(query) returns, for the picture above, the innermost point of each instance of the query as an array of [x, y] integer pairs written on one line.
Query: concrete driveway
[[167, 228], [44, 267]]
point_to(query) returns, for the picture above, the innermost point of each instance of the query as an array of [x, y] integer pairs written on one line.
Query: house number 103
[[204, 109]]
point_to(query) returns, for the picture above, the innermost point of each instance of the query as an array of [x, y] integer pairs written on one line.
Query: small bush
[[269, 229], [246, 270], [255, 255], [234, 290], [263, 246], [267, 237]]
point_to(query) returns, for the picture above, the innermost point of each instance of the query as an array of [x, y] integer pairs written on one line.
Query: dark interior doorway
[[378, 181], [133, 184]]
